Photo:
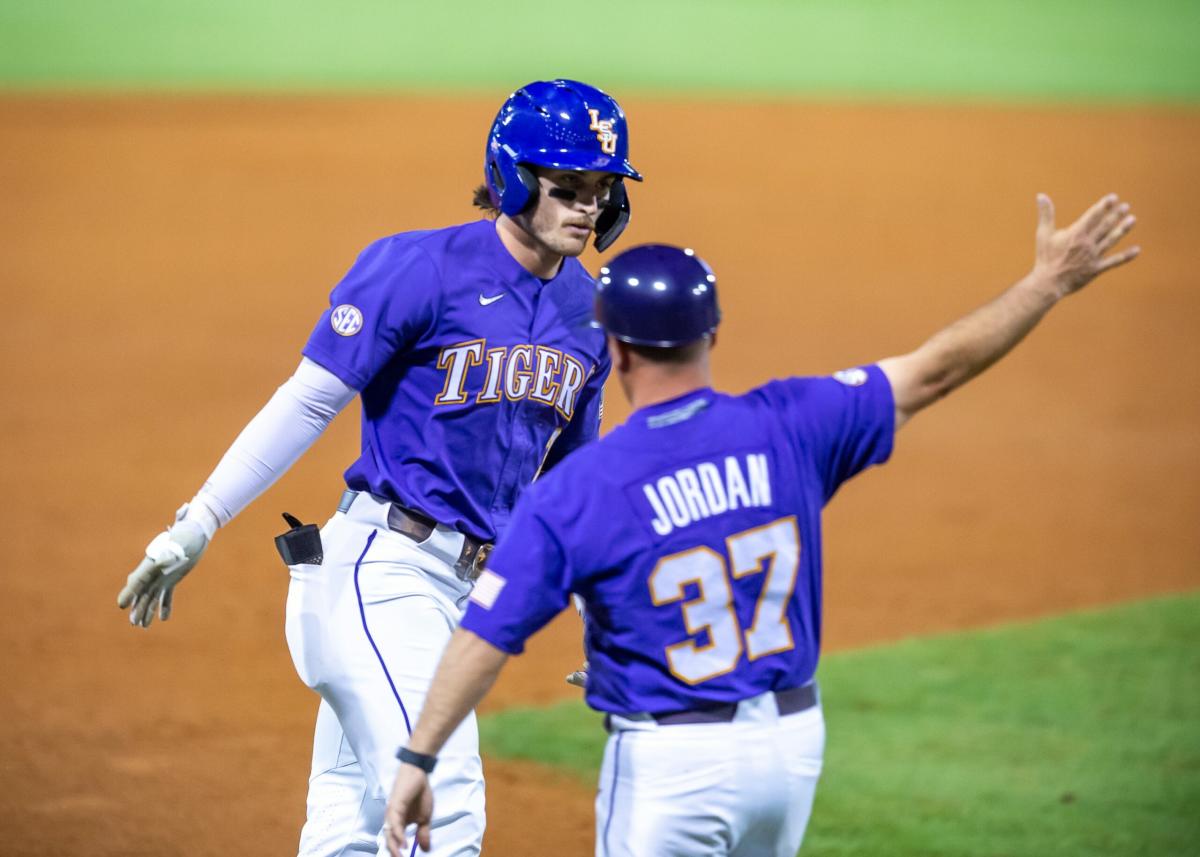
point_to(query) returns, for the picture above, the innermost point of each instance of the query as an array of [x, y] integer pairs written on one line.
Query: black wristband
[[420, 760]]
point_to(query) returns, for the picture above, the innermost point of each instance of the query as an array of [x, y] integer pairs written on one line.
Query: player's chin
[[573, 240]]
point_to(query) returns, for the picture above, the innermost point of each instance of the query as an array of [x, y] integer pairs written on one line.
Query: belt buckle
[[470, 565]]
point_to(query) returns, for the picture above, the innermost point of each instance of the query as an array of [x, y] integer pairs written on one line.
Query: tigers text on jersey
[[470, 368], [693, 532]]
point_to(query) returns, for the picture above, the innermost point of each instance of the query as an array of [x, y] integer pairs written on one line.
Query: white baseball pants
[[366, 629], [741, 789]]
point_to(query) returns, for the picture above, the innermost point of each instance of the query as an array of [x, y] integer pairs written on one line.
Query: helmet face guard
[[657, 295], [614, 218], [562, 125]]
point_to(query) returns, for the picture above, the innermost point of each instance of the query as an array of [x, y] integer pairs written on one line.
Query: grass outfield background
[[1069, 736], [1091, 50]]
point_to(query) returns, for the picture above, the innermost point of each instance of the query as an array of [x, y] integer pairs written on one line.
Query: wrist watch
[[421, 760]]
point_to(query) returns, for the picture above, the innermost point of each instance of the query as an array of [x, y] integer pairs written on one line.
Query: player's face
[[567, 207]]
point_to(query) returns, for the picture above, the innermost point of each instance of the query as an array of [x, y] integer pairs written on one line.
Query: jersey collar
[[677, 410]]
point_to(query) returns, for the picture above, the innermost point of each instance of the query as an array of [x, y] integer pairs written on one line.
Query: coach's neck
[[651, 376]]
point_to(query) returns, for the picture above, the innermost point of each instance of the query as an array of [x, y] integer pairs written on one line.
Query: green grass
[[1078, 735], [998, 49]]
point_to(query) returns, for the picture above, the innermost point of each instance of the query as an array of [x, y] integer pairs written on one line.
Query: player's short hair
[[483, 200], [675, 355]]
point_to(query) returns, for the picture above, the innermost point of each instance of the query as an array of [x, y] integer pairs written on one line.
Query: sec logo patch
[[346, 320], [852, 377]]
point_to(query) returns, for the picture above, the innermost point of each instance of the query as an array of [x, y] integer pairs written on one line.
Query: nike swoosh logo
[[486, 301]]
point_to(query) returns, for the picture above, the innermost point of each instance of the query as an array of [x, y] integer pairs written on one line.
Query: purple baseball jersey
[[693, 533], [473, 373]]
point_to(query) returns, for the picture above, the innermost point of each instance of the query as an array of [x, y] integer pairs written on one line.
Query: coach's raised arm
[[1066, 261]]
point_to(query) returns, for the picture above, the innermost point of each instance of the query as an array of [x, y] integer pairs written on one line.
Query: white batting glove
[[579, 677], [151, 586]]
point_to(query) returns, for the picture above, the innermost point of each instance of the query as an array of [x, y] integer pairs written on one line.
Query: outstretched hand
[[150, 587], [1075, 255]]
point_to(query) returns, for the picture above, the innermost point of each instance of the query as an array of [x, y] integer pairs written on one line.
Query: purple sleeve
[[382, 305], [844, 422], [585, 424], [526, 582]]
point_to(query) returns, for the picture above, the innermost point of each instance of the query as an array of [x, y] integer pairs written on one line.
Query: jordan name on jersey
[[536, 372], [710, 488]]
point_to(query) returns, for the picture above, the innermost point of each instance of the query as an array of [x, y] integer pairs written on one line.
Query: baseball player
[[696, 545], [474, 351]]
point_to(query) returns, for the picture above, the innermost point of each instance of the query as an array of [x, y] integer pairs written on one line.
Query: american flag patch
[[487, 589]]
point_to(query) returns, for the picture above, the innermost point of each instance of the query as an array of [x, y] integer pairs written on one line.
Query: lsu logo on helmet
[[604, 132]]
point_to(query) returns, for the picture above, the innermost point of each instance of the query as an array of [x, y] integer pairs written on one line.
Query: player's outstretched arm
[[1066, 260], [278, 435], [467, 671]]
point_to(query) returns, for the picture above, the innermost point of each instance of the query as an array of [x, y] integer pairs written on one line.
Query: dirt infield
[[164, 261]]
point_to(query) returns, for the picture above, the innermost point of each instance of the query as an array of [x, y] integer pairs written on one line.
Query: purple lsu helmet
[[562, 125]]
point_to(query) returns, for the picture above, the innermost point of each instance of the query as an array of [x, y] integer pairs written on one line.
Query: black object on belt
[[790, 701], [419, 527], [301, 545]]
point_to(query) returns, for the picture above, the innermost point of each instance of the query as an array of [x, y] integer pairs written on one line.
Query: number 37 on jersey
[[773, 550]]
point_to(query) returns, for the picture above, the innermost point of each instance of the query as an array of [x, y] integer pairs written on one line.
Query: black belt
[[790, 701], [419, 527]]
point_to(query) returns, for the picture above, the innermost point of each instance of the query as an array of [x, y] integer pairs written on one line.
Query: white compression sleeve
[[301, 409]]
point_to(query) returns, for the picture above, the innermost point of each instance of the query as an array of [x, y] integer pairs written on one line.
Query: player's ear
[[619, 352]]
